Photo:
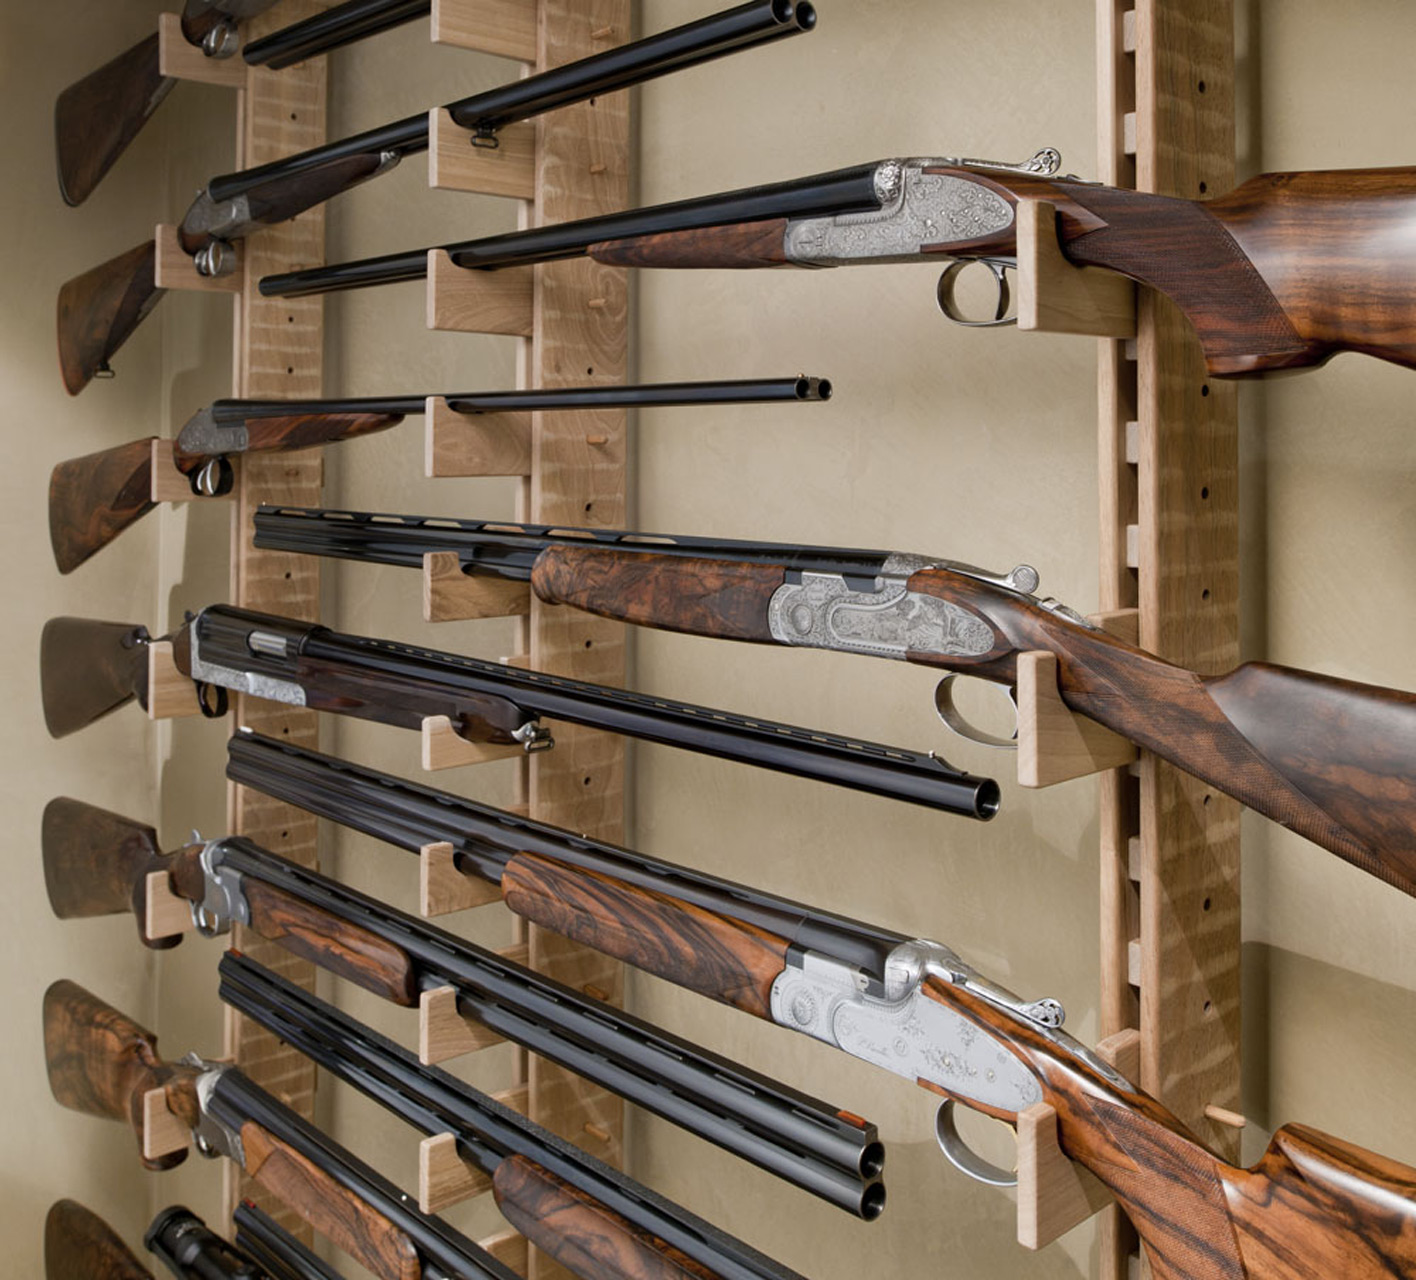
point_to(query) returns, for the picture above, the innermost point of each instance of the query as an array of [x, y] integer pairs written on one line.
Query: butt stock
[[88, 669], [101, 1062], [79, 1245], [99, 310], [94, 498]]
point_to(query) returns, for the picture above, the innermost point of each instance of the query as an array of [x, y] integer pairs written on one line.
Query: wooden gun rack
[[573, 163]]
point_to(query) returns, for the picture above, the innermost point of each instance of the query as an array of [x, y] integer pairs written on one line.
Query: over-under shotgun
[[1331, 759], [1281, 273], [94, 498], [97, 863], [90, 668], [103, 1063], [100, 309]]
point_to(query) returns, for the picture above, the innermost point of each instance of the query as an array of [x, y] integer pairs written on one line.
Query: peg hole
[[289, 319], [293, 116], [1206, 904], [1205, 493], [1207, 798], [588, 643], [589, 371], [290, 368], [285, 731], [1201, 86], [287, 577], [1209, 1006], [1204, 186], [285, 835], [1205, 389], [588, 505], [1205, 594], [585, 781]]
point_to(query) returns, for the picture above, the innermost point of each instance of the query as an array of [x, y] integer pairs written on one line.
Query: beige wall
[[974, 445]]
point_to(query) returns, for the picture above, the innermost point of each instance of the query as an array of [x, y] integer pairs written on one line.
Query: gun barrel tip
[[805, 15], [987, 800]]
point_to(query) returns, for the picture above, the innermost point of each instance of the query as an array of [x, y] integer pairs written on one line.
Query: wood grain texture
[[96, 118], [182, 60], [478, 444], [751, 244], [479, 301], [1054, 295], [1054, 743], [170, 694], [174, 267], [443, 889], [581, 1233], [444, 1177], [364, 1234], [450, 594], [673, 593], [506, 28], [726, 960], [94, 498], [99, 310], [343, 949], [88, 669], [79, 1245], [101, 1062], [455, 163], [310, 430]]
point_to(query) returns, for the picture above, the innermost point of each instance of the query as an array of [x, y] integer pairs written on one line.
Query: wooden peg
[[450, 595], [443, 1032], [506, 28], [602, 33], [444, 748], [444, 1177], [164, 913], [457, 163], [176, 269], [1054, 743], [443, 889], [183, 61], [521, 661], [1223, 1116], [171, 695], [475, 444], [163, 1133], [1128, 133], [478, 301], [1055, 296]]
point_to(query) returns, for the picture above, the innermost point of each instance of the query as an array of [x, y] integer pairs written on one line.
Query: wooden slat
[[504, 27], [455, 163]]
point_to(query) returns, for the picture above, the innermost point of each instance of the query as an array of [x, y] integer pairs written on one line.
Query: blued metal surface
[[331, 29]]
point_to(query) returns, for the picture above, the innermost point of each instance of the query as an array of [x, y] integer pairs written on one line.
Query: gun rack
[[570, 164]]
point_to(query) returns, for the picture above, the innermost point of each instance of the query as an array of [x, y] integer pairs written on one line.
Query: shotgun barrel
[[332, 29], [285, 1257]]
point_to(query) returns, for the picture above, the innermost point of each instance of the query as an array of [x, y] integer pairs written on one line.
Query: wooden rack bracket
[[1055, 1194], [443, 1032], [444, 1177], [509, 1248], [457, 163], [167, 483], [1054, 296], [164, 913], [506, 28], [182, 61], [1054, 743], [450, 595], [443, 889], [175, 268], [171, 695], [444, 748], [163, 1133], [478, 301], [475, 444]]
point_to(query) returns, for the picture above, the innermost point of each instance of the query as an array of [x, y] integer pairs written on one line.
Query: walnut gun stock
[[79, 1245]]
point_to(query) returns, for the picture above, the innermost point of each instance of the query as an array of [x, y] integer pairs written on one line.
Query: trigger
[[954, 720], [962, 1156], [948, 304]]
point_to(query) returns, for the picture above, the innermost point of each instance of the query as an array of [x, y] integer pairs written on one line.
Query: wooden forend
[[278, 349], [1166, 111]]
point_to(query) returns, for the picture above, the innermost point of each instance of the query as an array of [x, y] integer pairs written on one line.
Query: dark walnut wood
[[93, 858], [306, 431], [79, 1245], [88, 669], [94, 498], [333, 944], [97, 117], [99, 310], [674, 593], [101, 1062], [580, 1233], [364, 1234], [1312, 1209], [750, 244], [1330, 759], [729, 961]]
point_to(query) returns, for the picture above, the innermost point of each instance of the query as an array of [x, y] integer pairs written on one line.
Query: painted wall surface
[[974, 445]]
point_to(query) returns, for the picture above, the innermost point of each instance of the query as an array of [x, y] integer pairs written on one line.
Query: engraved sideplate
[[252, 682], [822, 612], [203, 435], [927, 209], [914, 1037]]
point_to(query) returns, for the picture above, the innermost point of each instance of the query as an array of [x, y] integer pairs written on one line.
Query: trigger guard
[[963, 1157], [954, 720], [944, 294]]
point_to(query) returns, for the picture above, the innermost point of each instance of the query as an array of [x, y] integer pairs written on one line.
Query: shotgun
[[331, 29], [102, 1063], [274, 1248], [513, 1152], [94, 866], [99, 310], [1282, 273], [94, 498], [1331, 759], [89, 669]]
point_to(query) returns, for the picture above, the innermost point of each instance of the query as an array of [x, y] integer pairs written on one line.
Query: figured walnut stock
[[79, 1245], [99, 310], [580, 1233], [307, 430], [1313, 1208], [88, 669], [748, 244], [1330, 759], [335, 1213], [102, 1063], [97, 117], [676, 593], [727, 960], [94, 498]]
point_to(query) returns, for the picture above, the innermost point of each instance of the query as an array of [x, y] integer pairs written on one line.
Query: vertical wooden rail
[[278, 353], [1169, 539]]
